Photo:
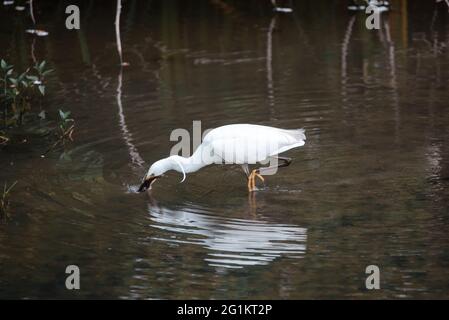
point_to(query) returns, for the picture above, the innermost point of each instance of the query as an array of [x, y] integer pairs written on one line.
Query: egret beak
[[147, 182]]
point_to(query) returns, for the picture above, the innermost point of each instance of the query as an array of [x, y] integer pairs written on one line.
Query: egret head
[[158, 169]]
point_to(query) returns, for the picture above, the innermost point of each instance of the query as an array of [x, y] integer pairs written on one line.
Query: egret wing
[[251, 143]]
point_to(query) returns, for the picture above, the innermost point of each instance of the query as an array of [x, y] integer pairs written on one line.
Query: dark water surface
[[369, 187]]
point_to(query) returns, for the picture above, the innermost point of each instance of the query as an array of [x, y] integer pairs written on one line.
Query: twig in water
[[4, 201], [61, 139], [3, 139]]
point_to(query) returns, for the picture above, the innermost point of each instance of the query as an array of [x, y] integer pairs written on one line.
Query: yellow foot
[[252, 180]]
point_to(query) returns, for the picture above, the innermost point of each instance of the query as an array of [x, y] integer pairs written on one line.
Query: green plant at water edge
[[64, 119], [66, 127], [18, 91], [4, 201]]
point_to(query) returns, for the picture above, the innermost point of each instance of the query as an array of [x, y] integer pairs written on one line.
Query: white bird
[[241, 144]]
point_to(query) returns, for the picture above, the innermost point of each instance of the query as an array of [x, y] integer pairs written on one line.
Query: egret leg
[[286, 160], [250, 184], [252, 180], [285, 163], [258, 172]]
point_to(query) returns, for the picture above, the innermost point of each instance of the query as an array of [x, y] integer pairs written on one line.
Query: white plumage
[[232, 144], [248, 143]]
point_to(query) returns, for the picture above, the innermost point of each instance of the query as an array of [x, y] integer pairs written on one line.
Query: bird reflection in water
[[230, 242]]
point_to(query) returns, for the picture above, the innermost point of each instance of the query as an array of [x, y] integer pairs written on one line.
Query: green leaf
[[3, 64], [42, 90], [9, 72], [64, 117], [47, 72], [13, 81], [33, 78], [21, 76], [42, 66]]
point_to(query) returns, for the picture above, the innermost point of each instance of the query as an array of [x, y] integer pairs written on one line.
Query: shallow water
[[370, 187]]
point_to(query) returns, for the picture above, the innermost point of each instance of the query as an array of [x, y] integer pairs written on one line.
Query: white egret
[[241, 144]]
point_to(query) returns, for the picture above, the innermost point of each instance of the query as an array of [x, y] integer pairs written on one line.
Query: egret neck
[[177, 163], [189, 164]]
